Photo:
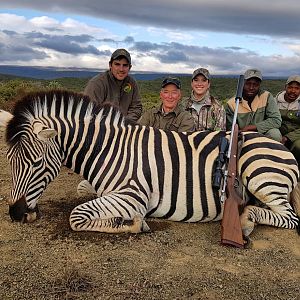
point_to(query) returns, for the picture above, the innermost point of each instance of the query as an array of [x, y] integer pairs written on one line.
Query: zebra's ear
[[42, 132], [5, 117], [46, 134]]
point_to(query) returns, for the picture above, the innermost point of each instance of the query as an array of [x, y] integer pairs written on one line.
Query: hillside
[[12, 87], [53, 73]]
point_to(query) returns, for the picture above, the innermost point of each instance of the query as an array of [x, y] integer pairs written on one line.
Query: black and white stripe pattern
[[138, 171]]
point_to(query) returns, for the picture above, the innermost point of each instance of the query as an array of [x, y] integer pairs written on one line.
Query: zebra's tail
[[295, 201]]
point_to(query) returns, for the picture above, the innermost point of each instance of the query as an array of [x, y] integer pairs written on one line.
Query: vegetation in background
[[13, 88]]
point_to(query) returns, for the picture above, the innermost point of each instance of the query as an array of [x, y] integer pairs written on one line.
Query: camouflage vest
[[211, 115]]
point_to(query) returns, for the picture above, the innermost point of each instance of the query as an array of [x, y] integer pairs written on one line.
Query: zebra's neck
[[85, 141]]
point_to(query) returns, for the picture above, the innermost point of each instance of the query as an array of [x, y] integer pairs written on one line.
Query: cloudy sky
[[227, 37]]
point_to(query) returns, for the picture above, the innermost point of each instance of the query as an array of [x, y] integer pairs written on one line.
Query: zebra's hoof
[[246, 224], [145, 227], [248, 242], [139, 225]]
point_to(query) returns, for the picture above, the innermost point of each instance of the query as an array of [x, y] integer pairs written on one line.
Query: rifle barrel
[[238, 98]]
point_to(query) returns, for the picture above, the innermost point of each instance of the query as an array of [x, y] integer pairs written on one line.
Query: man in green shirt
[[116, 86], [288, 102], [258, 109], [169, 116]]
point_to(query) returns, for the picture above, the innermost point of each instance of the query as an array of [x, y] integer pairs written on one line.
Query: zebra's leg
[[84, 188], [295, 199], [279, 214], [111, 214]]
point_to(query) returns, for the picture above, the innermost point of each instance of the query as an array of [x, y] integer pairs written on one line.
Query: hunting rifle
[[231, 231]]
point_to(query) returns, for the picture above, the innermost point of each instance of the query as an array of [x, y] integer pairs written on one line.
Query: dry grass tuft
[[71, 284]]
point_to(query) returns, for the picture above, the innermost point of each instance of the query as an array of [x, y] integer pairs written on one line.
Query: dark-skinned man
[[288, 102], [258, 110]]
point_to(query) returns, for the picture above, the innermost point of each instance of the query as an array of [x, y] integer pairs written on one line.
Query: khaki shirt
[[124, 94], [177, 120]]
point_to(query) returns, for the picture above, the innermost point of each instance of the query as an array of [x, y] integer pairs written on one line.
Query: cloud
[[43, 39], [65, 44], [226, 60], [256, 17], [52, 41], [15, 54]]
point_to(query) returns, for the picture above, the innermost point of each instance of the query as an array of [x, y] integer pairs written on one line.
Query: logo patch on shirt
[[127, 88]]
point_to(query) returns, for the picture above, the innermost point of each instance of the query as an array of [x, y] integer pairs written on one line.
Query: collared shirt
[[290, 113], [263, 113], [176, 120], [208, 113], [289, 106]]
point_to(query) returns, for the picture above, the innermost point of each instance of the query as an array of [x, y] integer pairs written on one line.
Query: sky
[[169, 36]]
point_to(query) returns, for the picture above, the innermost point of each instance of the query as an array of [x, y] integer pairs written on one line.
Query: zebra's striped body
[[137, 171]]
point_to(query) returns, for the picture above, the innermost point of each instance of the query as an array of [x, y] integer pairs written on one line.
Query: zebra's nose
[[18, 210]]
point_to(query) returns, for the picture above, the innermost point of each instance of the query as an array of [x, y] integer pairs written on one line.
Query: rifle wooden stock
[[231, 226]]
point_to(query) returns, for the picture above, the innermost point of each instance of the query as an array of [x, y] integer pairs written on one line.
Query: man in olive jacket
[[116, 86], [258, 110], [169, 116], [289, 106]]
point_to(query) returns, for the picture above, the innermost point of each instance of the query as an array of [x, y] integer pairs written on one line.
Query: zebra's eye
[[37, 163]]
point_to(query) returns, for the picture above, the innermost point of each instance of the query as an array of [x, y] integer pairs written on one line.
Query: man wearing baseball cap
[[169, 116], [258, 110], [206, 110], [288, 102], [116, 86]]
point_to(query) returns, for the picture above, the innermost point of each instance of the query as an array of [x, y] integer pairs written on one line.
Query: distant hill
[[50, 73], [46, 72], [54, 73]]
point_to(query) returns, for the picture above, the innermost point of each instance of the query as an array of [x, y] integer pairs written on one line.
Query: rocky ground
[[46, 260]]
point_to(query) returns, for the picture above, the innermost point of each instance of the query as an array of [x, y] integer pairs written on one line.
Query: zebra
[[136, 171]]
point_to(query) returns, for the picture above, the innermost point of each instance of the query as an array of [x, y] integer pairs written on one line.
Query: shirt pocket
[[173, 127], [258, 116]]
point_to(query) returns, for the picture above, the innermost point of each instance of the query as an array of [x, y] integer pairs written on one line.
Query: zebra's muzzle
[[20, 212]]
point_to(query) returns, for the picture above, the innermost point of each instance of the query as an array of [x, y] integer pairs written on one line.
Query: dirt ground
[[46, 260]]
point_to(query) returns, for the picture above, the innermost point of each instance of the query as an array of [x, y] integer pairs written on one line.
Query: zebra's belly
[[194, 212]]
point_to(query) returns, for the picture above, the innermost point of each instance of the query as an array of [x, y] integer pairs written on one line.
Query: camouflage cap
[[253, 73], [292, 78], [121, 52], [172, 80], [201, 71]]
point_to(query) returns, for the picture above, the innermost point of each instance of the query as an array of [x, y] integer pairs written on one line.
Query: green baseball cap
[[253, 73], [121, 52]]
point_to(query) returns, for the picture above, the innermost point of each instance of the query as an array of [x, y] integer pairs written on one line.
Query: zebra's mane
[[32, 105]]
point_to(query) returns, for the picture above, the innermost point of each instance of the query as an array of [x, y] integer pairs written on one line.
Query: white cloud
[[44, 22], [74, 26], [171, 35], [13, 22], [295, 48]]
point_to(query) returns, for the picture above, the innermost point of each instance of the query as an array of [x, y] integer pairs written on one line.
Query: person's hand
[[284, 140], [249, 128]]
